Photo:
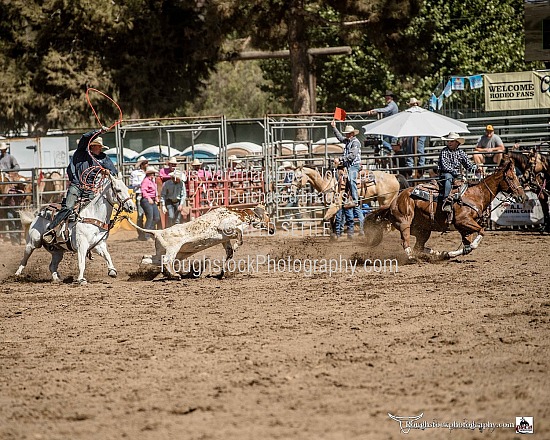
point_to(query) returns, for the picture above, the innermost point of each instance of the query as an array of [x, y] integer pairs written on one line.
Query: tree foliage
[[151, 55]]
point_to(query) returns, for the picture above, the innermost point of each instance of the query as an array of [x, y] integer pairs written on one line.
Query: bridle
[[120, 201]]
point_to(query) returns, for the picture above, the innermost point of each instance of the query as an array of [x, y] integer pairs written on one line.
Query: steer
[[219, 226]]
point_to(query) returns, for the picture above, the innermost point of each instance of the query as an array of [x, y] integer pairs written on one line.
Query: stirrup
[[49, 236]]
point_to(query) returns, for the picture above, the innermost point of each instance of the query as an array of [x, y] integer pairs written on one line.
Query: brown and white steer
[[219, 226]]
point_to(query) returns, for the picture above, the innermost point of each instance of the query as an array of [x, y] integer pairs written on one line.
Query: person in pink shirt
[[149, 200], [164, 173]]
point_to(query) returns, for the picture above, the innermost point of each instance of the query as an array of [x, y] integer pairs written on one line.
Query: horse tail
[[403, 183], [149, 231], [26, 216]]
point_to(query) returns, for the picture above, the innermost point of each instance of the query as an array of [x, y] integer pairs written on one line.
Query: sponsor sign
[[517, 90]]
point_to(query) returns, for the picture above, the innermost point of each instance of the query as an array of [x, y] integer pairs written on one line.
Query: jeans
[[174, 216], [446, 183], [344, 217], [152, 214], [140, 213], [74, 193], [419, 150], [292, 203], [353, 174], [386, 144]]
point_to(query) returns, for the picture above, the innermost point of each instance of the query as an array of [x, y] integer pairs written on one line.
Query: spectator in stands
[[7, 161], [172, 198], [149, 200], [136, 177], [415, 145], [489, 146], [400, 157], [389, 110], [198, 172], [292, 206], [451, 159], [165, 172]]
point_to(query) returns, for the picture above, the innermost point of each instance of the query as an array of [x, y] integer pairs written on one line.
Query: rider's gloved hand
[[104, 129]]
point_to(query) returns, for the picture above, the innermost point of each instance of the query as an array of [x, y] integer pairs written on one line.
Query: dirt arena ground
[[279, 355]]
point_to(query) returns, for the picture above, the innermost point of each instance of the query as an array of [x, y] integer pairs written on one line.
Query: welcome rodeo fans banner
[[517, 90]]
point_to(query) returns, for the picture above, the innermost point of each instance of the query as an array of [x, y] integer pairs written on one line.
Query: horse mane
[[520, 159]]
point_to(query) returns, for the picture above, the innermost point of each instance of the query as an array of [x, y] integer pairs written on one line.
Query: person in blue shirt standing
[[451, 159], [389, 110], [81, 179]]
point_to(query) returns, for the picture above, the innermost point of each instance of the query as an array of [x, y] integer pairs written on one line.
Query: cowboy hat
[[287, 164], [233, 159], [140, 162], [349, 129], [99, 141], [4, 146], [389, 93], [196, 162], [177, 174], [454, 137], [413, 101], [172, 161], [151, 170]]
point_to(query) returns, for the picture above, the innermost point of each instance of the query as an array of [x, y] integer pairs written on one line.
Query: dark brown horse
[[417, 217]]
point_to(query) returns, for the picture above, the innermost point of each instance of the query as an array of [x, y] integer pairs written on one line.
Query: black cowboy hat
[[389, 93]]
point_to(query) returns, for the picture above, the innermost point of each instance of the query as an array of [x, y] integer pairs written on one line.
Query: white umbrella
[[416, 121]]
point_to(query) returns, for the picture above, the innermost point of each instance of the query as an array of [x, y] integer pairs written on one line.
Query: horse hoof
[[82, 282], [445, 256], [112, 273]]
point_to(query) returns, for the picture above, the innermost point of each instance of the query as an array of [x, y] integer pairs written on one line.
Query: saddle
[[430, 192]]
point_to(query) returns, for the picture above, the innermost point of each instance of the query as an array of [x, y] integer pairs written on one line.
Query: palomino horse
[[51, 188], [88, 232], [536, 175], [371, 185], [417, 217]]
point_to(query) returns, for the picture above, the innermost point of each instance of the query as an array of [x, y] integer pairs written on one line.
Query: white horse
[[88, 233]]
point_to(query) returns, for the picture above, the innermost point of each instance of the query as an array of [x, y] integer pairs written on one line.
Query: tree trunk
[[299, 62]]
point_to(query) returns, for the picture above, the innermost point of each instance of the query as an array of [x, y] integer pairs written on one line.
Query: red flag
[[339, 114]]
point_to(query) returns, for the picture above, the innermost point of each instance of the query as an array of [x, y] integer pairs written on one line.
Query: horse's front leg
[[102, 251], [467, 231]]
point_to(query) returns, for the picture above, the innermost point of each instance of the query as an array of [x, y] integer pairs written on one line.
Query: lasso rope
[[98, 179]]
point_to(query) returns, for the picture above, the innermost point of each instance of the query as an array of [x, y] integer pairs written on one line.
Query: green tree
[[150, 55]]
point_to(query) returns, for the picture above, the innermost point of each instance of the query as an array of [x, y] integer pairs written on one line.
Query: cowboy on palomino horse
[[83, 171]]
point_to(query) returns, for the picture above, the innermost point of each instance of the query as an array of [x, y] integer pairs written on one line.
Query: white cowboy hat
[[172, 161], [177, 174], [413, 101], [349, 129], [141, 162], [4, 146], [454, 137], [233, 159], [151, 170], [99, 141], [196, 162], [287, 164]]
